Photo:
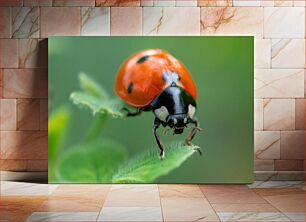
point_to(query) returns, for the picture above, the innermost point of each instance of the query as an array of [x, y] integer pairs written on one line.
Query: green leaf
[[57, 126], [90, 163], [112, 107], [148, 167], [92, 87], [96, 99]]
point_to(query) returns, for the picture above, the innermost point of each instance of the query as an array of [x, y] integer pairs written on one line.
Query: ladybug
[[154, 80]]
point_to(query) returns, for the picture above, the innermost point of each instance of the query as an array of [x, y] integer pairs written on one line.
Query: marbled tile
[[9, 188], [33, 53], [73, 2], [95, 21], [284, 50], [280, 3], [25, 83], [299, 3], [248, 3], [267, 3], [24, 144], [262, 207], [37, 165], [289, 165], [117, 3], [163, 3], [279, 83], [300, 114], [267, 145], [1, 83], [5, 3], [37, 2], [279, 175], [8, 53], [119, 16], [27, 114], [25, 22], [90, 191], [133, 196], [180, 190], [71, 204], [263, 165], [187, 209], [18, 208], [146, 2], [278, 191], [43, 114], [159, 21], [220, 3], [279, 114], [262, 53], [63, 216], [304, 83], [276, 184], [8, 114], [5, 22], [295, 216], [284, 22], [232, 21], [292, 144], [13, 165], [230, 194], [186, 3], [130, 214], [258, 114], [285, 200], [253, 216], [51, 17]]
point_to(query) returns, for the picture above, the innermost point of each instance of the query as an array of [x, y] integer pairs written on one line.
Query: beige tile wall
[[278, 27]]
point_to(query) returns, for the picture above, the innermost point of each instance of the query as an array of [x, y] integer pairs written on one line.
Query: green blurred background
[[222, 68]]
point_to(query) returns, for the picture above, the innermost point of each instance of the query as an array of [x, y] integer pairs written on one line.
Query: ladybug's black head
[[178, 122], [175, 108]]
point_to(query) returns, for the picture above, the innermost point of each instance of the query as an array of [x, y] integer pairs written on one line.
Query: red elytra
[[140, 77]]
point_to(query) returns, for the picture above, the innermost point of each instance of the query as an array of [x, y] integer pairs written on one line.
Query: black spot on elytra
[[142, 59], [130, 87]]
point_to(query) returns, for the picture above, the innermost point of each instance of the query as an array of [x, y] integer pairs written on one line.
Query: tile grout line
[[161, 208], [104, 202], [209, 202]]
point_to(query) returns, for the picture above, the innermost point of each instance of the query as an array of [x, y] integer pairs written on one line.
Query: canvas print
[[150, 109]]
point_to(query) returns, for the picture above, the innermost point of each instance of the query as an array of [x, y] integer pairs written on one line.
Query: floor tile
[[263, 207], [93, 191], [18, 208], [63, 216], [286, 199], [133, 196], [187, 209], [71, 204], [130, 214], [276, 184], [9, 188], [180, 190], [251, 216], [230, 194], [295, 216]]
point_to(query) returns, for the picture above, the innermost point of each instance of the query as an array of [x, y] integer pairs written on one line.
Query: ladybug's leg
[[129, 113], [193, 132], [159, 143]]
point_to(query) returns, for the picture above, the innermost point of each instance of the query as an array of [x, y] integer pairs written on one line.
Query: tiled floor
[[261, 201]]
